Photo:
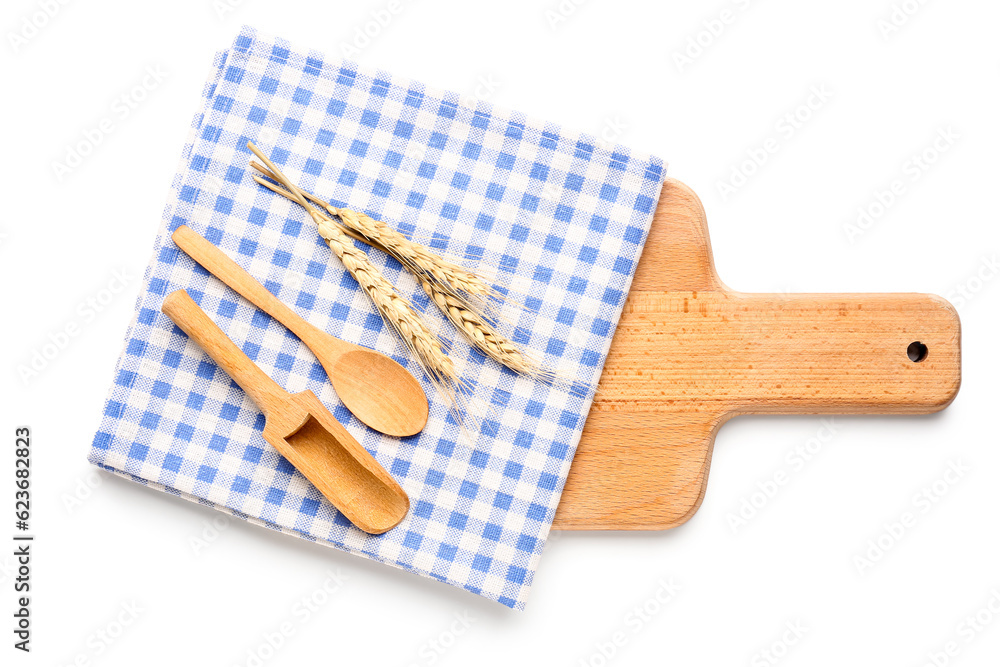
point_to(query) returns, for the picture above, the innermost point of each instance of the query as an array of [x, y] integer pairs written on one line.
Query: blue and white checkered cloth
[[558, 216]]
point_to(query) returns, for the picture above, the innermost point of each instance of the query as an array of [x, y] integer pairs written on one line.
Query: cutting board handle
[[689, 354], [726, 352]]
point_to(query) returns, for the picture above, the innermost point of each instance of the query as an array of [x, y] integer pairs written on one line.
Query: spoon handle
[[225, 269], [193, 321]]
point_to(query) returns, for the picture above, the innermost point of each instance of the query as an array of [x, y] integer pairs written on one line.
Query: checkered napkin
[[558, 218]]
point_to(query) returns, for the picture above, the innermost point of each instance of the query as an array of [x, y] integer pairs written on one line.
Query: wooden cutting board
[[689, 354]]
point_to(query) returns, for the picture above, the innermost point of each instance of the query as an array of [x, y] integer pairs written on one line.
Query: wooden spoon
[[302, 430], [379, 391]]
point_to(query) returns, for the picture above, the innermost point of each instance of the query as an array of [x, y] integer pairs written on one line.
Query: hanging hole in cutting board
[[916, 351]]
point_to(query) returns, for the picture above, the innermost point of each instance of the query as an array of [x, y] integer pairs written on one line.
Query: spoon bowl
[[374, 387], [358, 375]]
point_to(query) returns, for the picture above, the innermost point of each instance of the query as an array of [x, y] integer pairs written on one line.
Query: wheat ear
[[483, 335], [422, 259], [393, 308], [390, 305], [416, 257], [445, 283]]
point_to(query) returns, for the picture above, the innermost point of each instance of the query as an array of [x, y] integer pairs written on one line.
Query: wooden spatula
[[690, 353], [376, 389], [302, 430]]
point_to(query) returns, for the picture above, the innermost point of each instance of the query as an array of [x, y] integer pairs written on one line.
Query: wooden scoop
[[379, 391], [302, 430]]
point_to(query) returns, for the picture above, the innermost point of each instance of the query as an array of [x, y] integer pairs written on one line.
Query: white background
[[783, 230]]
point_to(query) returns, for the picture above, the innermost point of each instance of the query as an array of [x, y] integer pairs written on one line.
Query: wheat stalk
[[416, 257], [393, 308], [483, 335], [448, 285], [415, 254]]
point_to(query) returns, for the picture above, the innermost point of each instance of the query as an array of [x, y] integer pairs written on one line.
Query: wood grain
[[690, 354], [302, 430], [373, 386]]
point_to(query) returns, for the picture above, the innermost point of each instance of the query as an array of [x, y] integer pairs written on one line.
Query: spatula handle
[[186, 314], [232, 274]]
